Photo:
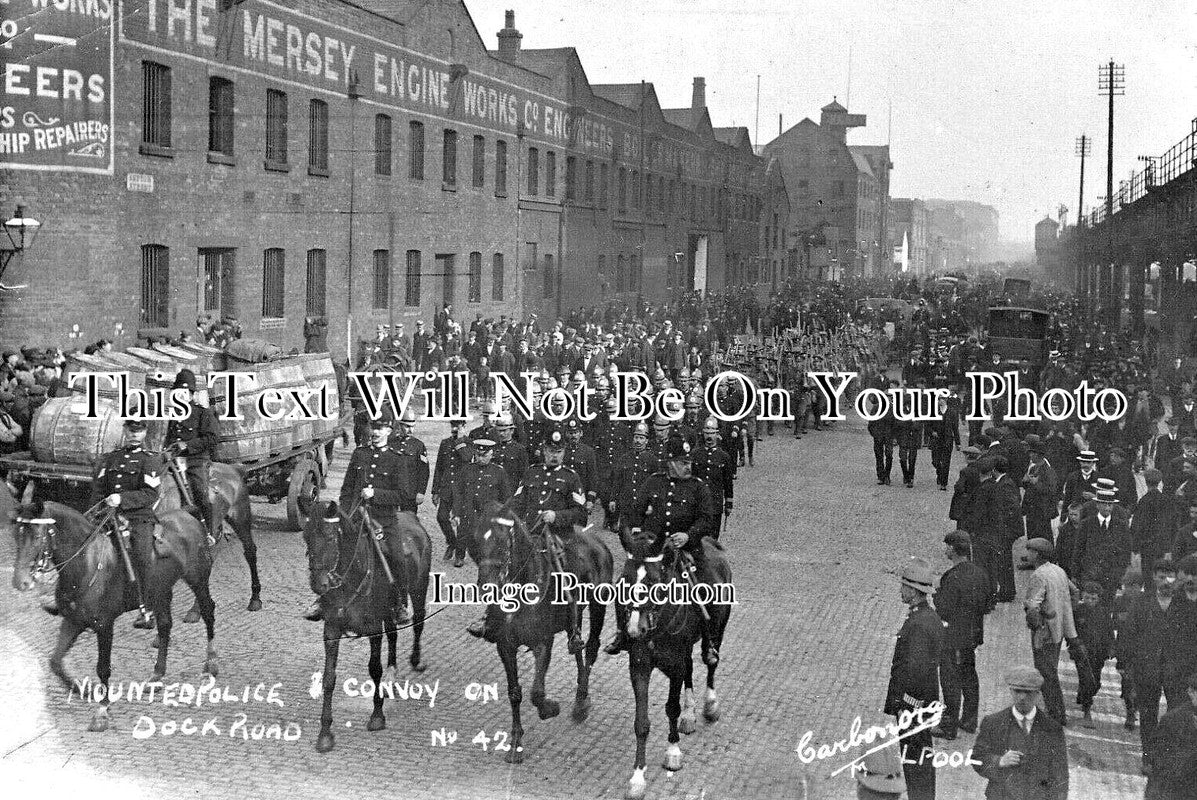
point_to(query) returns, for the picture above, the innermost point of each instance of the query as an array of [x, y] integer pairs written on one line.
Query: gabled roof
[[624, 94], [735, 136], [680, 117], [547, 62]]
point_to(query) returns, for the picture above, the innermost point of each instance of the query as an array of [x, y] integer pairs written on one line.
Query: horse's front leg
[[545, 707], [641, 670], [161, 608], [332, 648], [687, 722], [507, 653], [392, 634], [68, 633], [419, 610], [377, 720], [99, 721], [673, 709]]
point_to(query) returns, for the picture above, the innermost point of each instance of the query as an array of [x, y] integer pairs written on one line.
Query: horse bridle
[[44, 540], [505, 567], [336, 578]]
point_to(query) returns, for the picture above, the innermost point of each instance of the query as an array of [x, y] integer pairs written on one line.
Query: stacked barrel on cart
[[283, 450]]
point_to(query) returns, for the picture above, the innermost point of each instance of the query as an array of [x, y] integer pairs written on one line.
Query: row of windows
[[219, 264], [651, 193]]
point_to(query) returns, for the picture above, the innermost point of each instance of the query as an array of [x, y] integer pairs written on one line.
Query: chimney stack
[[509, 39], [698, 99]]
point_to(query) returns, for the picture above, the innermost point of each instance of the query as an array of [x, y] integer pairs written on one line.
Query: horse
[[663, 637], [229, 498], [508, 554], [93, 587], [356, 596]]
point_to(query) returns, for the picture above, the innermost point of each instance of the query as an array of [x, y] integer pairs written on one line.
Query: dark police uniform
[[581, 459], [477, 485], [136, 475], [556, 489], [444, 478], [197, 436], [713, 466], [914, 683], [413, 470], [666, 505], [513, 458], [632, 471], [381, 469]]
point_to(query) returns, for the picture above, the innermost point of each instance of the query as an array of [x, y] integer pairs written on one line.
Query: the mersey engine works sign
[[56, 85]]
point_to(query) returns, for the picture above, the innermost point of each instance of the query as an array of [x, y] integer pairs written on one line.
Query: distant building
[[980, 238], [838, 190], [1047, 245], [947, 251], [910, 223]]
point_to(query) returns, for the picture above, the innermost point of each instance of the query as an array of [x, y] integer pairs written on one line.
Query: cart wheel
[[302, 493]]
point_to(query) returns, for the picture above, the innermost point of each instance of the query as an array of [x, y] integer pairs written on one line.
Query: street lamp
[[21, 231]]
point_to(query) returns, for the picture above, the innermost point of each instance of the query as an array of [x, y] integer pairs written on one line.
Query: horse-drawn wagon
[[285, 458]]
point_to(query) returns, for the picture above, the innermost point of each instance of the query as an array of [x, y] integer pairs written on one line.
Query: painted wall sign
[[56, 85]]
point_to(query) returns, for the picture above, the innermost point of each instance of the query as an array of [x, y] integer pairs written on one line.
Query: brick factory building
[[367, 161]]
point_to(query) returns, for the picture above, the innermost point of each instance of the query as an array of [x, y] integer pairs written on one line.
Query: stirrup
[[145, 620], [575, 644]]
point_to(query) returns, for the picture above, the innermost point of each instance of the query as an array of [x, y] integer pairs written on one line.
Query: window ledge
[[318, 172], [276, 166], [160, 151], [221, 158], [501, 195], [446, 186]]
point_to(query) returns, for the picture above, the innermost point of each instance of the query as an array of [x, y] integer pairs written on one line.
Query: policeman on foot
[[673, 507], [550, 497], [479, 482], [194, 438], [128, 480], [444, 477], [717, 469]]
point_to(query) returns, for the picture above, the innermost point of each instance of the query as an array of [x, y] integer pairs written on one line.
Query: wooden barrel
[[318, 371], [61, 433], [160, 369], [256, 436], [80, 363], [214, 355]]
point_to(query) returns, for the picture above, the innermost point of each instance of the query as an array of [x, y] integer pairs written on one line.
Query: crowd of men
[[1069, 489]]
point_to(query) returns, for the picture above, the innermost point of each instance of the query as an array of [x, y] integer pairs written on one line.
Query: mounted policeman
[[191, 441]]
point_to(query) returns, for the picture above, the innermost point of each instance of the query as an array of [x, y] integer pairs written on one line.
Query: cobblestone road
[[812, 542]]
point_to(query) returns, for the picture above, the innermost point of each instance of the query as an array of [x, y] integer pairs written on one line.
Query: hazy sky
[[988, 97]]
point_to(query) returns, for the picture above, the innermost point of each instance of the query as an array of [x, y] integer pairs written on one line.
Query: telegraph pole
[[1084, 148], [1111, 81]]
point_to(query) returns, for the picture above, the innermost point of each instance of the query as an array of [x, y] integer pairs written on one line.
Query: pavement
[[813, 544]]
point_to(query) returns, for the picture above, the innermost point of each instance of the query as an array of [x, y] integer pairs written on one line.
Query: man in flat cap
[[961, 601], [914, 674], [1021, 752], [1049, 616]]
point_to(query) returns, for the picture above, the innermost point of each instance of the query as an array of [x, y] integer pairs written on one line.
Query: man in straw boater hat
[[1021, 752], [914, 676], [1101, 551], [1049, 616], [1082, 480]]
